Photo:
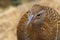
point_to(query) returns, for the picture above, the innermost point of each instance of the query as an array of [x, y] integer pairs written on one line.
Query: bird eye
[[38, 15]]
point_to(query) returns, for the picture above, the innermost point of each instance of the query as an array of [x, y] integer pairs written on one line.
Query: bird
[[38, 23]]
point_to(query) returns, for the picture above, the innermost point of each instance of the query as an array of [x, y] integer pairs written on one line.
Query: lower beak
[[30, 20]]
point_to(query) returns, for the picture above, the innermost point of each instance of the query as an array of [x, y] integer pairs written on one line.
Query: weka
[[39, 23]]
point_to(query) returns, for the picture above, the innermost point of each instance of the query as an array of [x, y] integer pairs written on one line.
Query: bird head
[[37, 15]]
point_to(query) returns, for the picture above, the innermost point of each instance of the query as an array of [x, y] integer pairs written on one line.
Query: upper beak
[[30, 20]]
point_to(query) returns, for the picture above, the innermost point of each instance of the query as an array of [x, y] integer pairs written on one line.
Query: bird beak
[[30, 20]]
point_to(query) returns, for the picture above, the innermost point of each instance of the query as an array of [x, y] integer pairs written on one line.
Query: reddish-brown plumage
[[44, 31]]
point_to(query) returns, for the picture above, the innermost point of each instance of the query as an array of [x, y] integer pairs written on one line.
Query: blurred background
[[12, 10], [6, 3]]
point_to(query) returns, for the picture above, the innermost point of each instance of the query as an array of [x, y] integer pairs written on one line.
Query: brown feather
[[46, 31]]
